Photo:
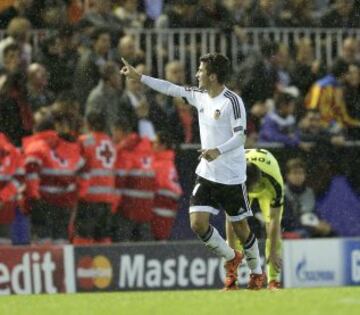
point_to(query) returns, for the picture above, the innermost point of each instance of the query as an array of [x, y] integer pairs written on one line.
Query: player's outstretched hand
[[129, 71]]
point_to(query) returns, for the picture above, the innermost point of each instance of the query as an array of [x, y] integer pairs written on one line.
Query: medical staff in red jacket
[[168, 190]]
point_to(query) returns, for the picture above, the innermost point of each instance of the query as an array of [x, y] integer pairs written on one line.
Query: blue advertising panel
[[352, 261]]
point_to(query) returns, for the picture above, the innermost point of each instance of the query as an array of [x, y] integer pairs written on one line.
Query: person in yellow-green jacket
[[265, 183]]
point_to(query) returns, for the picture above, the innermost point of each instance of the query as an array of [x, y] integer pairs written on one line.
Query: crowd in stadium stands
[[89, 155]]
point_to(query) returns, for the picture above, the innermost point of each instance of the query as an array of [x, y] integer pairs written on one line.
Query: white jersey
[[219, 119]]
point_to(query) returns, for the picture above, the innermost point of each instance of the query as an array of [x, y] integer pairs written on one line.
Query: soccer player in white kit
[[221, 173]]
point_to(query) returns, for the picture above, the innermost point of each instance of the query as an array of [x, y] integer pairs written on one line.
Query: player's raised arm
[[162, 86]]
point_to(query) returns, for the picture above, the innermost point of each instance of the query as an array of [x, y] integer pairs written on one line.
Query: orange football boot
[[231, 268]]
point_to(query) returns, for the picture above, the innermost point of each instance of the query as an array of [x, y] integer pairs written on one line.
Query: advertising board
[[35, 269], [313, 263], [151, 266]]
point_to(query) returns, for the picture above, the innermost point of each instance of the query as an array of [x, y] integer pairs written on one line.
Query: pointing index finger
[[125, 62]]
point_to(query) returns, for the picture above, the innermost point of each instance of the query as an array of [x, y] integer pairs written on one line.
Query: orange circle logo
[[94, 272]]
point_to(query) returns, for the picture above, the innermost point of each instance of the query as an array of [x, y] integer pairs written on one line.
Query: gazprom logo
[[306, 274], [355, 265]]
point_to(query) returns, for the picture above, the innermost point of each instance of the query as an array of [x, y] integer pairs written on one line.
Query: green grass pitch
[[326, 301]]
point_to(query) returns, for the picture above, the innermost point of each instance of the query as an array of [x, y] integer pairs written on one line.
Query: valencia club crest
[[217, 114]]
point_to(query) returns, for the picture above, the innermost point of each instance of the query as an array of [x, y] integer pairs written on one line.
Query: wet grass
[[327, 301]]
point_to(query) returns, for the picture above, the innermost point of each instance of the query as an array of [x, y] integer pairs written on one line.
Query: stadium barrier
[[163, 45], [139, 266], [321, 263], [165, 266]]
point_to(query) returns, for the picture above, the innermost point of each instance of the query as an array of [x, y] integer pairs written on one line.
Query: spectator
[[68, 58], [134, 97], [153, 9], [50, 56], [75, 11], [299, 214], [349, 51], [53, 14], [18, 33], [311, 130], [13, 102], [19, 8], [183, 123], [100, 16], [37, 93], [181, 118], [146, 126], [151, 116], [12, 60], [212, 12], [320, 7], [129, 15], [259, 80], [135, 212], [254, 119], [284, 65], [59, 56], [341, 15], [239, 11], [323, 144], [126, 49], [175, 72], [279, 125], [296, 13], [352, 98], [327, 96], [264, 14], [306, 69], [87, 72], [180, 14], [106, 97], [168, 190]]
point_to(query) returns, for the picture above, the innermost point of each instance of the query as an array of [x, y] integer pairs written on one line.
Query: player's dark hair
[[165, 139], [217, 64], [294, 164], [253, 174], [96, 120], [123, 124]]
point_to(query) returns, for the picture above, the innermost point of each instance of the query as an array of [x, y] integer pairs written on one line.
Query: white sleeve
[[237, 116], [168, 88], [234, 142]]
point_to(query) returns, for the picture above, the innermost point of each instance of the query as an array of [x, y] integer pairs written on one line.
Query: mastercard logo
[[94, 272]]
